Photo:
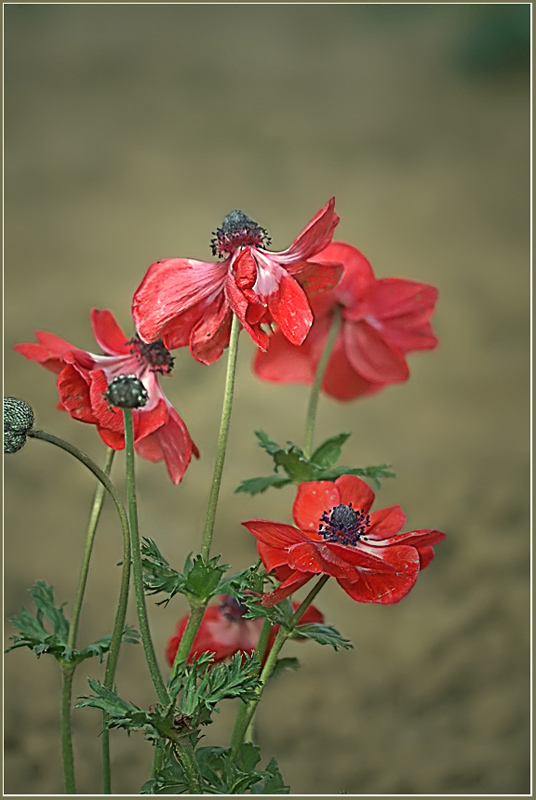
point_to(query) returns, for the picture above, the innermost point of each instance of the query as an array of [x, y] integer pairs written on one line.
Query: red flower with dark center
[[225, 631], [336, 535], [83, 378], [382, 320], [188, 302]]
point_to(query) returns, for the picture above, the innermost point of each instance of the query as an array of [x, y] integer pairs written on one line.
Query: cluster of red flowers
[[286, 301]]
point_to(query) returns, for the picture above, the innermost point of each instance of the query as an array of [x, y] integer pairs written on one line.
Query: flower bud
[[18, 420], [126, 391]]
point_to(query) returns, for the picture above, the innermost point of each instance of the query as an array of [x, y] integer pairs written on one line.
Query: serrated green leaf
[[328, 453], [323, 634], [203, 579], [258, 485], [373, 473], [267, 443], [43, 597]]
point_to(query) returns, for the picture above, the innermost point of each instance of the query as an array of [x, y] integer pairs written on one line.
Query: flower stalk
[[319, 376], [247, 711], [183, 746]]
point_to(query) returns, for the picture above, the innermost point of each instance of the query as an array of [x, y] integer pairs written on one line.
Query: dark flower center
[[343, 524], [153, 356], [237, 230], [232, 609]]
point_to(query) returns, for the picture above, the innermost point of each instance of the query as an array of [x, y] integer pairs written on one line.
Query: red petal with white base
[[179, 284]]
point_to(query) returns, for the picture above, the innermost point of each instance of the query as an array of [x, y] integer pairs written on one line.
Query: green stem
[[183, 745], [319, 376], [67, 674], [137, 572], [247, 710], [222, 439], [68, 670], [96, 509]]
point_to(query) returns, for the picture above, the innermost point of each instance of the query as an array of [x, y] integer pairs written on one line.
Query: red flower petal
[[355, 491], [316, 235], [275, 534], [210, 335], [284, 362], [316, 277], [372, 356], [73, 387], [52, 352], [386, 522], [171, 287], [341, 381], [290, 308], [312, 500], [171, 443], [285, 589], [110, 337], [385, 587]]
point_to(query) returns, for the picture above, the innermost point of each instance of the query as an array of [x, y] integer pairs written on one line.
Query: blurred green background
[[130, 131]]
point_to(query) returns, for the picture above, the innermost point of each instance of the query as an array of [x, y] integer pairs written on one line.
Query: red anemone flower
[[335, 535], [185, 301], [225, 631], [83, 378], [382, 320]]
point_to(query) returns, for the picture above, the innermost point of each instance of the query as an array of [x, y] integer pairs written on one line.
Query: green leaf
[[373, 473], [323, 634], [124, 714], [202, 580], [329, 451], [267, 443], [285, 664], [258, 485]]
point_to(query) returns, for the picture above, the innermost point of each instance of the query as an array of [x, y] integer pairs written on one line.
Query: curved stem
[[67, 670], [222, 438], [247, 710], [319, 376], [184, 748], [67, 675], [96, 509]]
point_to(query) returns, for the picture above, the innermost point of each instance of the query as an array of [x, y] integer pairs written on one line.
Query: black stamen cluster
[[343, 524], [237, 229], [153, 355], [232, 609]]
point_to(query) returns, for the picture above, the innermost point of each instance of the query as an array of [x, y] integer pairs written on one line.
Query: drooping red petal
[[422, 538], [210, 335], [73, 387], [52, 352], [294, 582], [274, 558], [312, 500], [172, 443], [355, 491], [315, 277], [357, 277], [290, 308], [372, 356], [171, 287], [284, 362], [316, 235], [405, 308], [240, 305], [386, 522], [385, 587], [341, 381], [275, 534], [110, 337]]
